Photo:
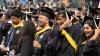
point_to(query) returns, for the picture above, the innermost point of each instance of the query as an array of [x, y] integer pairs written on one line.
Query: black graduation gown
[[1, 35], [4, 27], [91, 48], [47, 49], [63, 47], [12, 38], [27, 38], [76, 32], [26, 46]]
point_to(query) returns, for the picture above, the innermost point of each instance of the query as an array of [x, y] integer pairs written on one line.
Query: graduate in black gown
[[62, 44], [4, 25], [4, 28], [43, 37], [26, 39], [10, 42], [90, 46]]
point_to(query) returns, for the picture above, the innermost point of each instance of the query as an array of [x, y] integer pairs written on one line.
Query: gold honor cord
[[41, 31], [19, 25], [70, 39]]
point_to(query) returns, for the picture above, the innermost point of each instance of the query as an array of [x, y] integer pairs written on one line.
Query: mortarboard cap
[[66, 13], [7, 14], [16, 13], [34, 11], [91, 21], [47, 12], [94, 11], [70, 13]]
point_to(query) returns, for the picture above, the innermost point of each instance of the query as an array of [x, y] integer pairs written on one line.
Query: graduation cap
[[7, 14], [27, 16], [34, 11], [16, 13], [93, 11], [30, 11], [70, 13], [48, 13], [66, 13], [91, 21]]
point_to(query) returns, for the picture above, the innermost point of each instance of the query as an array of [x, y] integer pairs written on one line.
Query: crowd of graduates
[[50, 32]]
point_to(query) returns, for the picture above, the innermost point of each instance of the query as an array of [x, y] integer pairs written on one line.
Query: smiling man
[[43, 37]]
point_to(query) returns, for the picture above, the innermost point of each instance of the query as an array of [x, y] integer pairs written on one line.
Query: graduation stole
[[70, 39], [19, 25], [41, 31]]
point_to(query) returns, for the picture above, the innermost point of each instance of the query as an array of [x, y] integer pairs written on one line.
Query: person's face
[[88, 30], [15, 20], [60, 20], [43, 20], [4, 18]]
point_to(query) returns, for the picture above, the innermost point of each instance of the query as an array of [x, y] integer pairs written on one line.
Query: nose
[[85, 30]]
